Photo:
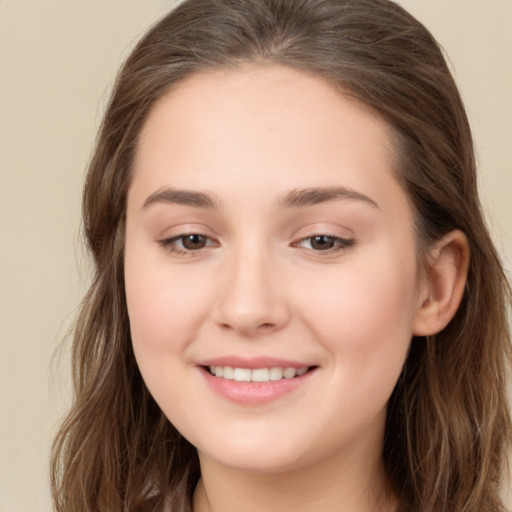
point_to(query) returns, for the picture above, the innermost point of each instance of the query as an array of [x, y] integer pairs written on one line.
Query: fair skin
[[266, 232]]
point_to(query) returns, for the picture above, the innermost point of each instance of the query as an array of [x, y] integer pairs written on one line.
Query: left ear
[[444, 283]]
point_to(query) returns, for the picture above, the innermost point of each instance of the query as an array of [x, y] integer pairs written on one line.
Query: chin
[[251, 456]]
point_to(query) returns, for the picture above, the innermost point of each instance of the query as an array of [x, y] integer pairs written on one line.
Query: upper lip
[[253, 362]]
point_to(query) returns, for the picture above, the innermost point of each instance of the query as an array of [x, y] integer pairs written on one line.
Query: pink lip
[[253, 393], [253, 362]]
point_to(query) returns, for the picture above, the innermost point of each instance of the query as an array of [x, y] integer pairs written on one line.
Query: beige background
[[57, 62]]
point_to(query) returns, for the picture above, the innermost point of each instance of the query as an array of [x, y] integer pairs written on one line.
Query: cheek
[[373, 310], [365, 318], [165, 310], [153, 308], [164, 306]]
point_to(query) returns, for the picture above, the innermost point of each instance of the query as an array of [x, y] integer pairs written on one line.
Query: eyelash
[[340, 243], [170, 244]]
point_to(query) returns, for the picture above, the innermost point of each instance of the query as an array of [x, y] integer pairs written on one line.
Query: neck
[[354, 486]]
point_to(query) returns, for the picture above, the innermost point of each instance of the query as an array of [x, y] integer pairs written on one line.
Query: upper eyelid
[[178, 231], [316, 233], [308, 232], [328, 231], [327, 235], [345, 241], [325, 227], [173, 238]]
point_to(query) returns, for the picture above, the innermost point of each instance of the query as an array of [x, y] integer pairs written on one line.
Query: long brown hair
[[448, 424]]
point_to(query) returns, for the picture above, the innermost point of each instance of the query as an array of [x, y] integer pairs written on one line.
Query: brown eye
[[188, 243], [325, 243], [194, 241], [322, 242]]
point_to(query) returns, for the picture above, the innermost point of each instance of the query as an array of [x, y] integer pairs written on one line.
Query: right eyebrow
[[184, 197]]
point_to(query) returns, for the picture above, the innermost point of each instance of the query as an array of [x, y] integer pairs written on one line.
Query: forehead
[[265, 98], [262, 126]]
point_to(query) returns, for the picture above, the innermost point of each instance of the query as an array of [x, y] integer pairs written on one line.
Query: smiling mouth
[[257, 374]]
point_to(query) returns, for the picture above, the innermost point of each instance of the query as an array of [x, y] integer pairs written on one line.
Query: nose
[[252, 300]]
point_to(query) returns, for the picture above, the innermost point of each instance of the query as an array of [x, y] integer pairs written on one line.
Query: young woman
[[296, 303]]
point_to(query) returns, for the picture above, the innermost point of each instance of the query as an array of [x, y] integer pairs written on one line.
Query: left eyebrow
[[299, 198]]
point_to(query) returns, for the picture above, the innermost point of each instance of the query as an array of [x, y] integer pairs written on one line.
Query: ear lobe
[[445, 280]]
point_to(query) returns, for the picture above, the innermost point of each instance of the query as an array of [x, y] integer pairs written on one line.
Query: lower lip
[[254, 392]]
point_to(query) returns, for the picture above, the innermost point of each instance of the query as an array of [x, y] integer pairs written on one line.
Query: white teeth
[[276, 373], [242, 375], [289, 373], [258, 374], [228, 372]]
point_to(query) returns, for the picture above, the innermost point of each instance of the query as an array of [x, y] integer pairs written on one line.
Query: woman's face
[[269, 242]]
